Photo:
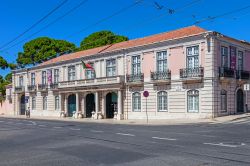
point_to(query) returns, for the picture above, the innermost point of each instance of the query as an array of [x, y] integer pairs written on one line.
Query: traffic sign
[[246, 87], [145, 93]]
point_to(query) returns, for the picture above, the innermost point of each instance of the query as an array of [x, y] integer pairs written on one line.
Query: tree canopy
[[3, 63], [101, 38], [41, 49]]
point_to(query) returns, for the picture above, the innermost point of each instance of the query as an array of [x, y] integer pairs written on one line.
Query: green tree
[[12, 66], [3, 63], [101, 38], [8, 77], [42, 49]]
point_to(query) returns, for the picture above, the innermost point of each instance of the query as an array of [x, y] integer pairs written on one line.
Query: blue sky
[[139, 21]]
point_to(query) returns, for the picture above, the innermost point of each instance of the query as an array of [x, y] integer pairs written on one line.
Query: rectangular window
[[56, 76], [33, 79], [136, 99], [193, 57], [110, 67], [224, 57], [90, 74], [193, 101], [162, 101], [57, 103], [240, 60], [136, 65], [71, 73], [33, 102], [20, 80], [161, 61], [44, 77]]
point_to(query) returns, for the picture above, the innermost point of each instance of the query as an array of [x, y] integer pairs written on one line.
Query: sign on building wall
[[233, 57], [246, 87]]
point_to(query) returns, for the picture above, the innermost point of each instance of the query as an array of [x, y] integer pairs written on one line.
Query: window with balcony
[[33, 79], [90, 74], [136, 65], [57, 105], [162, 101], [193, 57], [240, 60], [193, 101], [161, 61], [110, 67], [33, 103], [56, 76], [136, 102], [45, 103], [44, 77], [71, 73], [223, 97], [224, 57], [20, 81]]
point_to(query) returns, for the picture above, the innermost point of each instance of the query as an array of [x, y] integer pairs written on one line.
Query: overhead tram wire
[[222, 15], [51, 23], [178, 9], [35, 24], [106, 18]]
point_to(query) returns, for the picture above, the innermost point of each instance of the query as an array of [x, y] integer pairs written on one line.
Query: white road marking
[[96, 131], [74, 129], [29, 124], [169, 139], [42, 125], [9, 122], [126, 134], [1, 121], [19, 123], [225, 145]]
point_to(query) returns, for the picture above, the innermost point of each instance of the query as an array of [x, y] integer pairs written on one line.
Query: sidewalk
[[139, 121]]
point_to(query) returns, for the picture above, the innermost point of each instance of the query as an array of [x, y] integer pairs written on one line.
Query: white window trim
[[132, 108], [157, 110]]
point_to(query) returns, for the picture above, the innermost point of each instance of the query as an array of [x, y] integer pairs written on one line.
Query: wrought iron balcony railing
[[192, 72], [135, 78], [161, 75], [241, 74], [226, 72], [53, 85], [31, 87], [19, 89], [42, 86]]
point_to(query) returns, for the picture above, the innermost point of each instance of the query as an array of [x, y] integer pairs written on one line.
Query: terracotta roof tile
[[187, 31]]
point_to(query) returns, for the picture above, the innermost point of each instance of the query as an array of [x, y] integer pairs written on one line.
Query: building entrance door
[[90, 104], [240, 101], [22, 105], [71, 105], [111, 104]]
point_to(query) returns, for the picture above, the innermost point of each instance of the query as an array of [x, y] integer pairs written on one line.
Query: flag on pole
[[87, 66]]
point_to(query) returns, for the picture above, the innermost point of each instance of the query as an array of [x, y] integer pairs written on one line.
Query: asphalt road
[[40, 143]]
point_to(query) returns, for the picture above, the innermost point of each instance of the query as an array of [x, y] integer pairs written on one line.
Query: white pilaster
[[83, 106], [104, 105], [39, 101], [77, 105], [50, 101], [119, 106], [96, 105], [66, 104]]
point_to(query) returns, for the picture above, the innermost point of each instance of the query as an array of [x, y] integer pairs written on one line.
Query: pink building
[[189, 73]]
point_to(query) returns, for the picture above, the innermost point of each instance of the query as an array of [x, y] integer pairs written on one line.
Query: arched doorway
[[111, 104], [240, 101], [71, 105], [90, 104], [22, 105]]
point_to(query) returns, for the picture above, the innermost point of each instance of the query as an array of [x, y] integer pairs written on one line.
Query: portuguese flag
[[86, 66]]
